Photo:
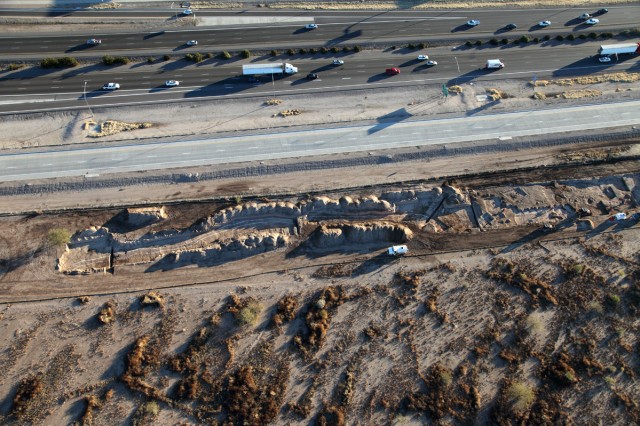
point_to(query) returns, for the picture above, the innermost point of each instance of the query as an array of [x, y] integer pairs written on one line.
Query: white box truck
[[397, 250], [264, 69], [493, 64], [619, 49]]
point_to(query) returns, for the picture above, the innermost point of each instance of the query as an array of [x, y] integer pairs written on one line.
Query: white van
[[397, 250], [494, 64]]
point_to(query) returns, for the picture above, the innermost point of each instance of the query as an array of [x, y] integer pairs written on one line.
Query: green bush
[[209, 55], [525, 39], [14, 66], [559, 37], [625, 33], [303, 51], [504, 41], [114, 60], [195, 57], [478, 43], [582, 36], [291, 52], [313, 50], [335, 49], [613, 299], [422, 45], [65, 61], [59, 236], [249, 314], [536, 40], [571, 37], [225, 55], [150, 60], [593, 35], [411, 46], [324, 49], [246, 54], [346, 49], [493, 41], [166, 57], [274, 53], [520, 397], [468, 43], [546, 38], [357, 48]]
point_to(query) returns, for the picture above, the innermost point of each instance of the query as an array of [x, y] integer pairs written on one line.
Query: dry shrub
[[28, 389], [112, 127], [560, 371], [152, 298], [578, 94], [93, 403], [539, 96], [107, 314], [318, 319], [273, 102], [334, 271], [245, 311], [138, 358], [496, 94], [285, 310], [455, 89], [331, 416], [520, 397], [520, 276]]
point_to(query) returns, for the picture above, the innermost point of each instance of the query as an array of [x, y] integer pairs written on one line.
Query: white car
[[585, 16], [544, 23], [422, 57], [338, 62], [171, 83], [94, 41], [473, 23], [604, 59], [311, 26], [192, 43], [592, 21], [431, 63], [111, 86], [187, 12]]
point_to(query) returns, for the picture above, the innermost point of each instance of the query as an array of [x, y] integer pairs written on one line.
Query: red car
[[392, 71]]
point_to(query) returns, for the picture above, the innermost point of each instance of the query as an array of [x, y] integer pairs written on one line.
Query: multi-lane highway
[[91, 162]]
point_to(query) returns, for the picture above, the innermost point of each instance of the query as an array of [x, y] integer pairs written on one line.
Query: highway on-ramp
[[475, 126]]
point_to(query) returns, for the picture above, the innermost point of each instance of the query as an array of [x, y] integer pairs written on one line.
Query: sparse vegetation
[[225, 55], [274, 53], [114, 60], [291, 52], [65, 61], [245, 54], [59, 236], [520, 396], [194, 57], [14, 66]]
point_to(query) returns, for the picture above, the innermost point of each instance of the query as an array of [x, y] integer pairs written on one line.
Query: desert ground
[[262, 293]]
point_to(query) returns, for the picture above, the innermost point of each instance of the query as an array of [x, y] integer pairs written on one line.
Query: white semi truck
[[619, 49], [264, 69], [494, 64]]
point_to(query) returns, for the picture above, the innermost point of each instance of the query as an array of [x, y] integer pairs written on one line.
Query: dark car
[[601, 11], [510, 27], [312, 76]]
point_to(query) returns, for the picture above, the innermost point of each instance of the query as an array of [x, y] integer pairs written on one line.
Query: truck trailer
[[494, 64], [619, 49], [264, 69]]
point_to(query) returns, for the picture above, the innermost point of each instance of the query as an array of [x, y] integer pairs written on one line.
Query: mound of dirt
[[334, 235], [145, 216]]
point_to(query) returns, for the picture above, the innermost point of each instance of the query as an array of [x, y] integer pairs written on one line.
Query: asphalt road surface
[[90, 162]]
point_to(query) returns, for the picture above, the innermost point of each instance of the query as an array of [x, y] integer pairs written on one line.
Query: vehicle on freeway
[[601, 11], [592, 21], [619, 49], [392, 71], [604, 59], [584, 16], [544, 23], [423, 57], [171, 83], [192, 43], [338, 62], [312, 76], [494, 64], [311, 26], [94, 41], [265, 69], [510, 27], [431, 63], [111, 86], [187, 12], [473, 22]]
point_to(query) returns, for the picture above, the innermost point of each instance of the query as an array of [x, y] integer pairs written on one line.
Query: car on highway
[[312, 76], [431, 63], [311, 26], [192, 43], [509, 27], [544, 23], [171, 83], [601, 11], [392, 71], [604, 59], [94, 41], [423, 57], [187, 12], [473, 22], [592, 21], [338, 62], [111, 86], [584, 16]]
